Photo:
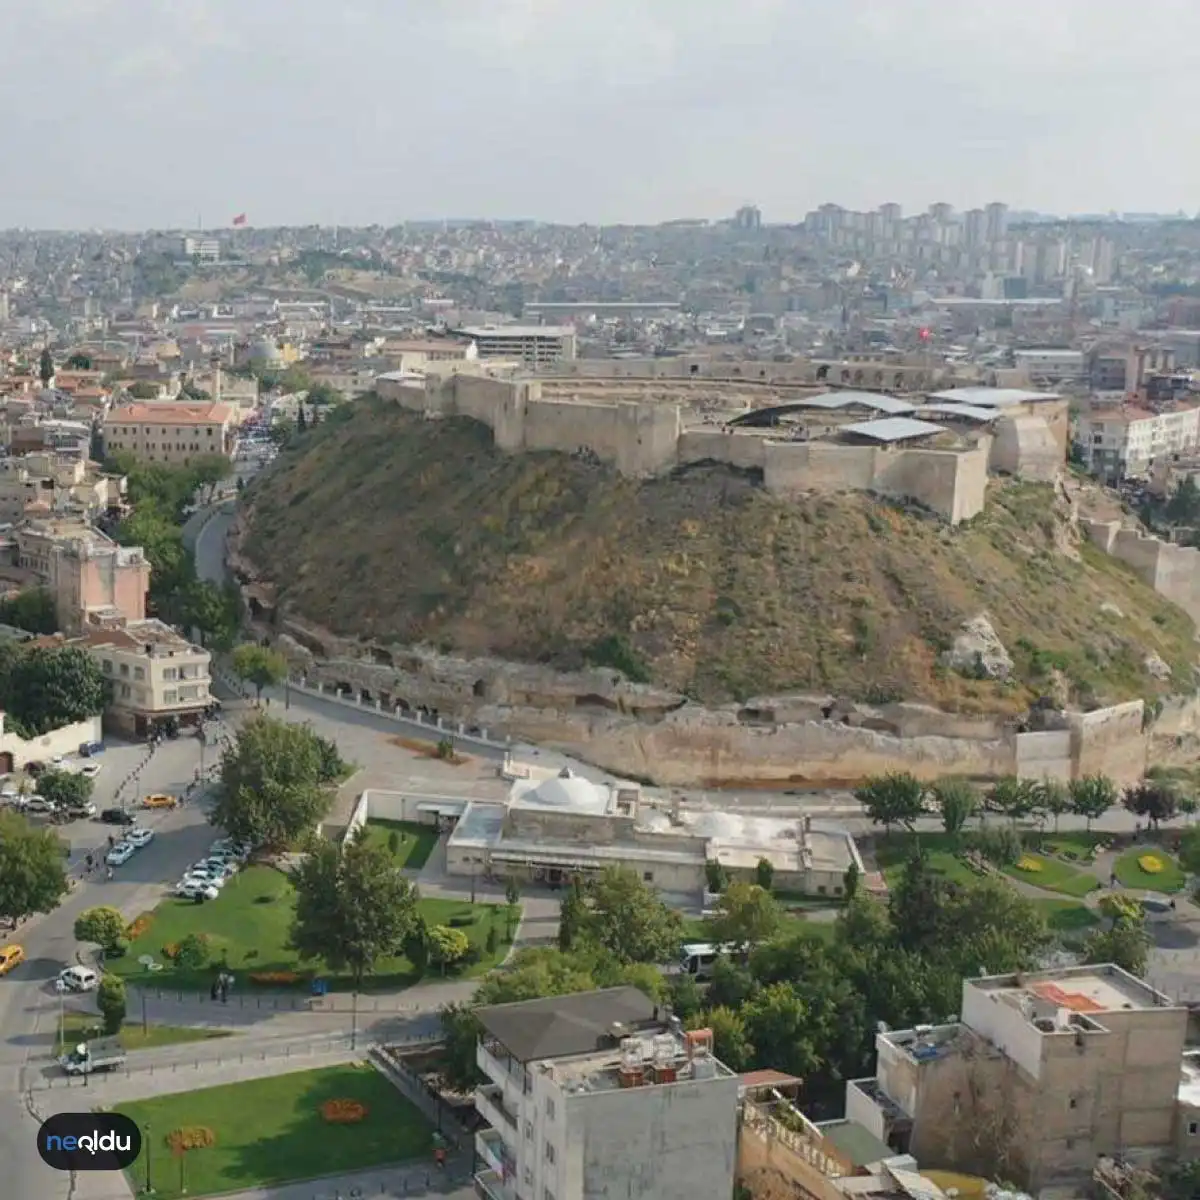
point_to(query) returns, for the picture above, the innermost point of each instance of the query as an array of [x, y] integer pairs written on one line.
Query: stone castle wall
[[1172, 571]]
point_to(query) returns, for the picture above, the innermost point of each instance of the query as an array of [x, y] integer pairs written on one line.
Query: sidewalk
[[424, 1180]]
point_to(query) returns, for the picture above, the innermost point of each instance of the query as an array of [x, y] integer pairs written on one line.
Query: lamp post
[[148, 1190], [182, 1177], [354, 1018], [62, 1019]]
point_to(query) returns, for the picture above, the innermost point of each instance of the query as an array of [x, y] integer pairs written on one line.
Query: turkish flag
[[240, 219]]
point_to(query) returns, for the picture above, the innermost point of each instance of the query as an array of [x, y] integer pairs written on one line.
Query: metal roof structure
[[829, 402], [972, 412], [875, 400], [893, 429], [991, 397]]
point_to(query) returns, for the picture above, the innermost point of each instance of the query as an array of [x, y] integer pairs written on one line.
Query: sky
[[135, 114]]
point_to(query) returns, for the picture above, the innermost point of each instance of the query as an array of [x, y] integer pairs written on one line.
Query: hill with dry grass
[[383, 525]]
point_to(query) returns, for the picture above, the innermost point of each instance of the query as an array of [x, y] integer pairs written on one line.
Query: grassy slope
[[412, 531]]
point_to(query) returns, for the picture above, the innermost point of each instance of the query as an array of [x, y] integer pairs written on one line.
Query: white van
[[77, 979]]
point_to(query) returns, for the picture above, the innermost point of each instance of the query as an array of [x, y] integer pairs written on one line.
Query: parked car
[[119, 855], [101, 1054], [90, 749], [34, 769], [90, 769], [78, 811], [116, 816], [77, 979], [11, 956], [39, 804], [195, 889], [160, 800], [138, 838], [217, 881]]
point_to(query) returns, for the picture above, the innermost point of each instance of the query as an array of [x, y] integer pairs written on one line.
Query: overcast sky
[[152, 113]]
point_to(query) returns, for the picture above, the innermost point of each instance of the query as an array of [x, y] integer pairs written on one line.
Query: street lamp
[[354, 1019], [148, 1190]]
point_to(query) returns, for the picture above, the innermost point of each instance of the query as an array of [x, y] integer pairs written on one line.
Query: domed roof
[[567, 791]]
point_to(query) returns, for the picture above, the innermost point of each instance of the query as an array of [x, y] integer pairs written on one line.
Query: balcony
[[492, 1060], [490, 1186], [490, 1147], [489, 1104]]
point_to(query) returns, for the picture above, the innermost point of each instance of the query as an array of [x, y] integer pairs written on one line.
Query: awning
[[443, 810]]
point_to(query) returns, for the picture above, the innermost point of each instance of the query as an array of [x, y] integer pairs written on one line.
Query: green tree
[[416, 944], [32, 875], [212, 609], [1189, 850], [46, 367], [32, 610], [321, 394], [143, 389], [745, 915], [208, 470], [1183, 508], [460, 1035], [730, 1041], [301, 421], [957, 801], [68, 789], [259, 665], [1012, 797], [110, 1000], [352, 907], [1120, 909], [573, 915], [51, 686], [103, 926], [78, 362], [273, 790], [192, 953], [779, 1027], [1181, 1181], [1127, 944], [1092, 796], [533, 972], [512, 900], [1053, 799], [1153, 799], [731, 984], [447, 947], [685, 996], [627, 918], [850, 881], [896, 798], [764, 873], [715, 876]]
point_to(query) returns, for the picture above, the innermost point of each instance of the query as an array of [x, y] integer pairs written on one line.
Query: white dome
[[567, 791]]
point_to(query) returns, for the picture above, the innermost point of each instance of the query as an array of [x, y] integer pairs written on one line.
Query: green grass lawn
[[695, 930], [269, 1131], [893, 850], [81, 1027], [1054, 876], [416, 842], [1130, 874], [248, 928], [1075, 844], [1067, 918]]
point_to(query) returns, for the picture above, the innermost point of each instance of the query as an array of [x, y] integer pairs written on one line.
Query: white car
[[213, 866], [217, 881], [77, 979], [138, 838], [119, 855], [90, 769], [39, 804], [189, 889]]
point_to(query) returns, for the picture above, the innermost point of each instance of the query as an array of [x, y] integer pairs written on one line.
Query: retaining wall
[[1172, 571]]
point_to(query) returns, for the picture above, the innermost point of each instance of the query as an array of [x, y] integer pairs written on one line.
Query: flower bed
[[191, 1137], [139, 926], [1151, 864], [275, 978], [1026, 863], [343, 1112]]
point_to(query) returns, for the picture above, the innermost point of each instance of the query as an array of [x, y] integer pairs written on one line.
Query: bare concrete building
[[598, 1094], [1043, 1074]]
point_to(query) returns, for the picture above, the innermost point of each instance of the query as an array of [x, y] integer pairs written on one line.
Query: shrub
[[110, 1000], [190, 1137], [276, 978], [394, 841], [462, 921], [1026, 863], [343, 1112], [1000, 845], [192, 953]]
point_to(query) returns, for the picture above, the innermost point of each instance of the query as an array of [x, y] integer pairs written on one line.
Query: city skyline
[[618, 113]]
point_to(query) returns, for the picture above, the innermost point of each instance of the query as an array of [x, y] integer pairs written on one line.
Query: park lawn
[[1075, 843], [1054, 876], [416, 841], [1130, 874], [892, 851], [270, 1131], [695, 929], [81, 1027], [1067, 917], [248, 928]]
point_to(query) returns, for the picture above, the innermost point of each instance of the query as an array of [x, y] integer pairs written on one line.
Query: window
[[1073, 1102], [1193, 1128], [139, 672], [550, 1153], [550, 1107], [528, 1130], [647, 876], [124, 670], [124, 691], [528, 1177], [170, 697], [106, 666], [170, 673]]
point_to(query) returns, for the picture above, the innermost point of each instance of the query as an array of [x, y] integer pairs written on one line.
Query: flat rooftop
[[517, 331], [1083, 990], [565, 1026]]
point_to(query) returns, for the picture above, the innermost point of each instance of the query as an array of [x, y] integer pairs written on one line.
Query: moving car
[[138, 838], [160, 800], [119, 855], [77, 979], [116, 816], [11, 956], [100, 1054], [192, 889]]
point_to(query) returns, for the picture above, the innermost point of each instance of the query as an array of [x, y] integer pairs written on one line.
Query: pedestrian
[[89, 864], [108, 875], [112, 841], [212, 991]]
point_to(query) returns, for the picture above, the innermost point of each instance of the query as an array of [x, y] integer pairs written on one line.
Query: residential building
[[532, 345], [555, 826], [414, 354], [602, 1094], [46, 484], [1126, 442], [174, 432], [1041, 1075], [200, 249], [91, 578], [158, 676], [1050, 365]]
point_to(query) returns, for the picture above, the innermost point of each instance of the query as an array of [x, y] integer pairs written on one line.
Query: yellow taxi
[[159, 800], [11, 956]]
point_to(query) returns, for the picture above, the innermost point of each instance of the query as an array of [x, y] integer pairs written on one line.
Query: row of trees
[[899, 798], [160, 495]]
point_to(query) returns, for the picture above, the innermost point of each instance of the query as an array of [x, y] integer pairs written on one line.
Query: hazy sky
[[149, 113]]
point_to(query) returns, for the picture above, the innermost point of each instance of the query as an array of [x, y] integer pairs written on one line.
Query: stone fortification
[[645, 433], [644, 731], [1172, 571]]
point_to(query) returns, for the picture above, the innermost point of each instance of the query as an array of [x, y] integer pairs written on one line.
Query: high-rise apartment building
[[996, 222], [601, 1094]]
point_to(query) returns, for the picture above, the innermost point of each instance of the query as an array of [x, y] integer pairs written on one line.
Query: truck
[[100, 1054]]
